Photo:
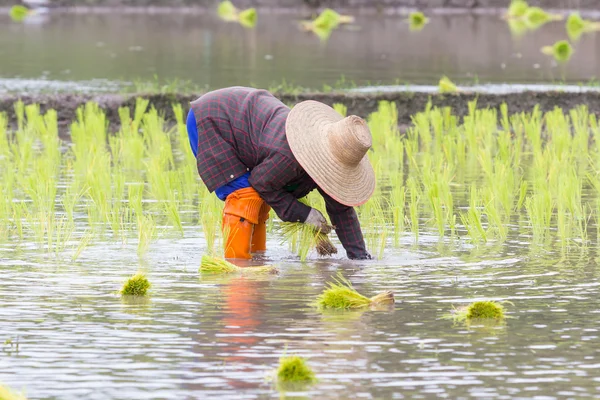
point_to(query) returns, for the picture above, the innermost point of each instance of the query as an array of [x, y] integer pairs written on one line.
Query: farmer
[[257, 154]]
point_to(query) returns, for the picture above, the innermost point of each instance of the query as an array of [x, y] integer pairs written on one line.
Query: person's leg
[[259, 236], [240, 215]]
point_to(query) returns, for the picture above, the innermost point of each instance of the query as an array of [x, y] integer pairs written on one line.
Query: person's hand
[[318, 221]]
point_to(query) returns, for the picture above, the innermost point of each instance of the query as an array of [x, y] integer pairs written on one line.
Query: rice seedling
[[480, 310], [7, 393], [215, 265], [447, 86], [146, 233], [341, 108], [417, 20], [341, 295], [136, 285], [561, 51], [294, 369], [18, 13], [414, 206], [307, 238]]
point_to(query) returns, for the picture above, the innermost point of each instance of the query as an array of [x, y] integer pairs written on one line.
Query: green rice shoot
[[307, 238], [137, 285], [341, 295], [215, 265], [294, 369]]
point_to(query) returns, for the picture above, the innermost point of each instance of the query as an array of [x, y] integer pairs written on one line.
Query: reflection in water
[[209, 53]]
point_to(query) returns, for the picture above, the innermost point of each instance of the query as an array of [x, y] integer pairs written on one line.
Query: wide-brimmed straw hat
[[332, 150]]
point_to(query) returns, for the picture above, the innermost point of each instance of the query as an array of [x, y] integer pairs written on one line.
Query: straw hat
[[332, 150]]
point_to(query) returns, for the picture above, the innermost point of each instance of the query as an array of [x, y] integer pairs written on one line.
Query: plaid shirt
[[242, 129]]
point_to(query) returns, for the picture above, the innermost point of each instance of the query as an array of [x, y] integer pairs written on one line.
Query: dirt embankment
[[377, 5], [359, 104]]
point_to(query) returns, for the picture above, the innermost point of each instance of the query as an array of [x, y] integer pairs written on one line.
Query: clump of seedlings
[[294, 369], [490, 310], [137, 285], [340, 295], [215, 265], [306, 238], [561, 50], [417, 20]]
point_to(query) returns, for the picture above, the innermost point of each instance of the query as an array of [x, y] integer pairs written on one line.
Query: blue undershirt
[[225, 190]]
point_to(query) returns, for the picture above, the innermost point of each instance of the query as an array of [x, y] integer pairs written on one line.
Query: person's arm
[[347, 227], [268, 179]]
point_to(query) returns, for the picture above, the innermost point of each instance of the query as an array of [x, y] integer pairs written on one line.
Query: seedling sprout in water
[[215, 265], [341, 295], [137, 285]]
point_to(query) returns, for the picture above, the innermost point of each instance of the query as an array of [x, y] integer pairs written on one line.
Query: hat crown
[[350, 139]]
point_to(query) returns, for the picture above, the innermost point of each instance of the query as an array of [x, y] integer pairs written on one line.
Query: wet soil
[[360, 104]]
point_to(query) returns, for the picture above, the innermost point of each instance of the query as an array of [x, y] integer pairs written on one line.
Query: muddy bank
[[376, 5], [359, 104]]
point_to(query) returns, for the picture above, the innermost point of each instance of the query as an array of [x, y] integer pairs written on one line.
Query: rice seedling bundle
[[340, 295], [490, 310], [136, 285], [294, 369], [214, 265], [307, 238]]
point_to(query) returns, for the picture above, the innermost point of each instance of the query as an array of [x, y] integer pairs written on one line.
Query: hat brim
[[307, 129]]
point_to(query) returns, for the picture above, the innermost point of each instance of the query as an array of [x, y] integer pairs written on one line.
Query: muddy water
[[221, 337], [103, 52]]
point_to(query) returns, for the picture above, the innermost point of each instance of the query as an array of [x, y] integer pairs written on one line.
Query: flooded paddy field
[[490, 207], [475, 200]]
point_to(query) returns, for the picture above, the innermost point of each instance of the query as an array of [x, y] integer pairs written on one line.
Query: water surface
[[119, 49]]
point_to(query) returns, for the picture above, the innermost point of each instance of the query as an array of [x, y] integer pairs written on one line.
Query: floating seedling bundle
[[340, 295], [137, 285], [294, 369], [215, 265], [484, 310]]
